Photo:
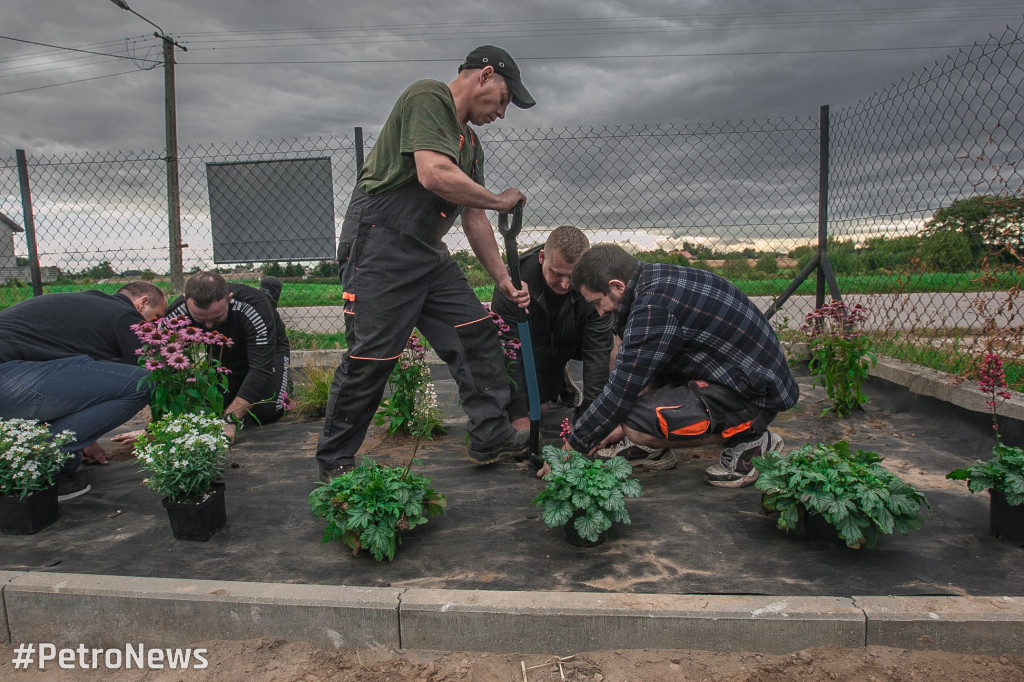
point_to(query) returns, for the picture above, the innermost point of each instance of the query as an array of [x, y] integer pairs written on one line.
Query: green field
[[328, 291]]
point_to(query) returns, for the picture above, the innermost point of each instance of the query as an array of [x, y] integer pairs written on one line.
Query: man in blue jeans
[[68, 359]]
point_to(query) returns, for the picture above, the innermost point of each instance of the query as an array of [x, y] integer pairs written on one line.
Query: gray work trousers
[[393, 283]]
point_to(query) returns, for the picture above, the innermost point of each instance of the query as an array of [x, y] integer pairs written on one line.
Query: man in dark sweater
[[68, 359], [258, 358], [563, 326]]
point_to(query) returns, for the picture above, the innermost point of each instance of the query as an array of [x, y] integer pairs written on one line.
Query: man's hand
[[230, 430], [510, 198], [94, 454], [521, 297], [127, 436]]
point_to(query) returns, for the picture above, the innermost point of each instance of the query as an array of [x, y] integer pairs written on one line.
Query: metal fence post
[[359, 150], [30, 228]]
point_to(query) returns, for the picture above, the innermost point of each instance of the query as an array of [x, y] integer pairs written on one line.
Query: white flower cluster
[[29, 455], [183, 453]]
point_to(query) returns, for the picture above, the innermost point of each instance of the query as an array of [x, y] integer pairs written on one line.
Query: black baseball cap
[[489, 55]]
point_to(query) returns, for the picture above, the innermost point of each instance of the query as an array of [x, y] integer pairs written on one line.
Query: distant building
[[9, 268], [7, 232]]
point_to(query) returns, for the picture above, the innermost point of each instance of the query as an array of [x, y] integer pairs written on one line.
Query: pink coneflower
[[286, 402], [152, 364], [178, 361]]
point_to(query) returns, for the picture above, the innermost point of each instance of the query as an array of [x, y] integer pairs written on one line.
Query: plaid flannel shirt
[[679, 324]]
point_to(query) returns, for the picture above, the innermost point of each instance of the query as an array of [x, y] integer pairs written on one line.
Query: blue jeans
[[76, 394]]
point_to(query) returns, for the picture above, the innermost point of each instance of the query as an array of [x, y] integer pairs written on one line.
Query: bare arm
[[481, 239], [440, 175]]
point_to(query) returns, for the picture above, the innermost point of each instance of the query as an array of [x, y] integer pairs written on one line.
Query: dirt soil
[[270, 659]]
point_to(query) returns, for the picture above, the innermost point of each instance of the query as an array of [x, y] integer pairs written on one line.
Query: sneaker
[[630, 450], [271, 288], [70, 486], [328, 475], [569, 395], [517, 447], [734, 469]]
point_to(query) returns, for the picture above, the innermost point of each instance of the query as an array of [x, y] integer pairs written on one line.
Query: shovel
[[529, 368]]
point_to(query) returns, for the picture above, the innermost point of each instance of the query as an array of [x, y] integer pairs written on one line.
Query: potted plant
[[585, 496], [841, 356], [185, 373], [184, 457], [369, 506], [30, 458], [1002, 475], [852, 493]]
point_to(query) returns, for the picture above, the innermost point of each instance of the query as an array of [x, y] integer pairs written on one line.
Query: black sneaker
[[271, 288], [327, 475], [734, 469], [70, 486], [516, 447], [569, 395]]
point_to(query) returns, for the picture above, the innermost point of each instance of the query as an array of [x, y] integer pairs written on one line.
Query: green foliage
[[993, 225], [101, 271], [30, 456], [854, 493], [273, 270], [412, 404], [327, 268], [1003, 472], [768, 264], [312, 389], [663, 256], [840, 355], [183, 455], [368, 506], [598, 488]]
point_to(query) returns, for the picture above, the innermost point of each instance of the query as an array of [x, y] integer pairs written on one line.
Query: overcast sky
[[262, 69]]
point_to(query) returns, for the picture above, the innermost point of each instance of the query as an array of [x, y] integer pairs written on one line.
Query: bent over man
[[69, 359], [425, 170], [698, 364], [260, 355]]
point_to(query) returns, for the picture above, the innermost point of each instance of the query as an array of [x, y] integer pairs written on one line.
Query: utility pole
[[171, 133]]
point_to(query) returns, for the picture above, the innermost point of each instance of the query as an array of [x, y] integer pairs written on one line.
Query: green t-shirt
[[423, 118]]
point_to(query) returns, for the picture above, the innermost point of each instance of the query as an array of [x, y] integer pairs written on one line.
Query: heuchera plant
[[852, 492], [598, 488], [367, 507], [412, 405], [1005, 470], [30, 456], [185, 372], [841, 355]]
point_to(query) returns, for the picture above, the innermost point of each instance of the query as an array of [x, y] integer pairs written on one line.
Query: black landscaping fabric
[[686, 537]]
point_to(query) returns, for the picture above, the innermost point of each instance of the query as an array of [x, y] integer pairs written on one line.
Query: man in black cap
[[426, 169]]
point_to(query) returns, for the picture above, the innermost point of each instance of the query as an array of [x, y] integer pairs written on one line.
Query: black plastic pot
[[30, 515], [198, 521], [821, 531], [1005, 522], [573, 537]]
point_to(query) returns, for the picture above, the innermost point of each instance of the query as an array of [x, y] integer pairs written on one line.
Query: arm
[[596, 351], [439, 174], [481, 239]]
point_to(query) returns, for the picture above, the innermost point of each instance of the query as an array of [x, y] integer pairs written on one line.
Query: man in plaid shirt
[[698, 364]]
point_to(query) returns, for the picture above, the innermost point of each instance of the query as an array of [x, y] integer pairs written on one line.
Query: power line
[[81, 80]]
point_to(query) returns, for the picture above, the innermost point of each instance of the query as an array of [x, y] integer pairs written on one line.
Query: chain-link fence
[[923, 219]]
